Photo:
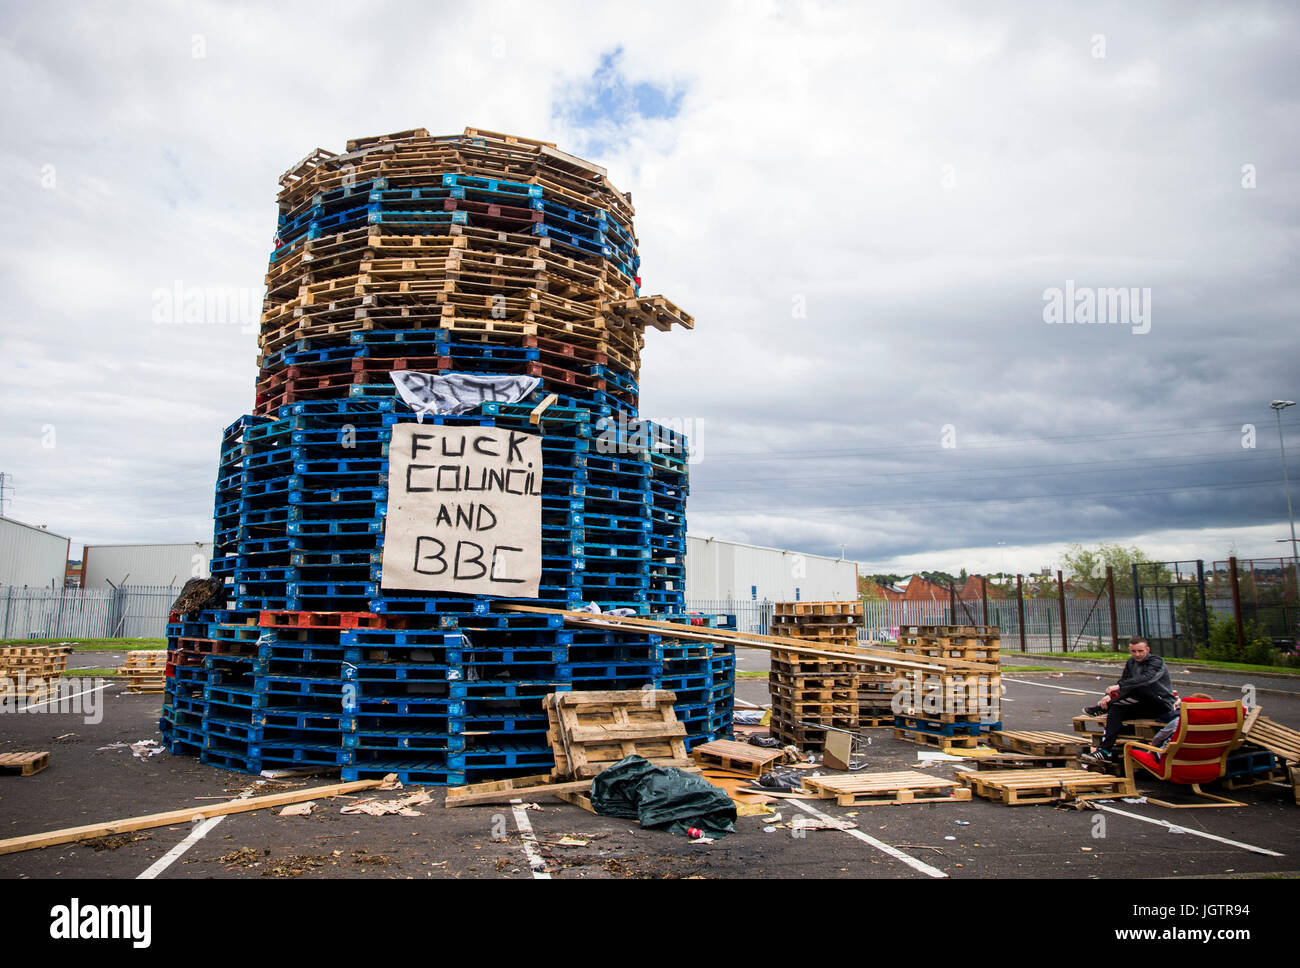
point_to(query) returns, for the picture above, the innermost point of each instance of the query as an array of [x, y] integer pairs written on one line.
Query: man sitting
[[1144, 691]]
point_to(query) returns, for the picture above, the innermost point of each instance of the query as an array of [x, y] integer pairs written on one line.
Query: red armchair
[[1197, 752]]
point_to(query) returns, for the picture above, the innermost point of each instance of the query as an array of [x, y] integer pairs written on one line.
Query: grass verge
[[1175, 663], [93, 645]]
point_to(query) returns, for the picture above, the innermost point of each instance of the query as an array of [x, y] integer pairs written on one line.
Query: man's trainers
[[1092, 710], [1100, 756]]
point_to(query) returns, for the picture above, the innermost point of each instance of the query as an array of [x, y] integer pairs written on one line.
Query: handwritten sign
[[464, 511]]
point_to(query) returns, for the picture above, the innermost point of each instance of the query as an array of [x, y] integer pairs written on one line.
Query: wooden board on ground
[[186, 815], [502, 791], [735, 785], [1038, 742], [740, 757], [1017, 787], [870, 789], [24, 764]]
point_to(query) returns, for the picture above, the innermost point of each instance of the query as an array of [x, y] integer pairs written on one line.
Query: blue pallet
[[917, 724], [428, 772]]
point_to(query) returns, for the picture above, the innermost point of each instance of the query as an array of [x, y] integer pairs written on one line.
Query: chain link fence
[[129, 611]]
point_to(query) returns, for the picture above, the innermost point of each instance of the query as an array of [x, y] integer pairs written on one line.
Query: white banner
[[464, 511]]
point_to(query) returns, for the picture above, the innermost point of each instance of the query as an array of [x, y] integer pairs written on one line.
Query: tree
[[868, 589], [1087, 568]]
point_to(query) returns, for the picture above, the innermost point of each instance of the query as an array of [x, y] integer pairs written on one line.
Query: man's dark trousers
[[1134, 707]]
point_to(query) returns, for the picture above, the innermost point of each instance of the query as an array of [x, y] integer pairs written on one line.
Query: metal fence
[[1087, 625], [129, 611]]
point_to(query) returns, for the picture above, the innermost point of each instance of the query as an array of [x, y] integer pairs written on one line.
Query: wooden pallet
[[1294, 772], [874, 722], [1279, 740], [1017, 787], [1094, 726], [25, 764], [938, 742], [591, 731], [738, 757], [1038, 742], [1025, 761], [849, 608], [871, 789]]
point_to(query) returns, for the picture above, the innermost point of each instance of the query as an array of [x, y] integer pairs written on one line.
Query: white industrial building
[[144, 564], [718, 571], [31, 557]]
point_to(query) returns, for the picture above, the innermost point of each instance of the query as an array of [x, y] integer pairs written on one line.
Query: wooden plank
[[772, 643], [71, 835], [614, 732], [501, 791]]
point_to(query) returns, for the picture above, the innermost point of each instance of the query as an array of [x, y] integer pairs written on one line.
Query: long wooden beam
[[772, 643], [72, 834]]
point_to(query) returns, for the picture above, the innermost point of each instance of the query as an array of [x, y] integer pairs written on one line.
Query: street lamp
[[1278, 406]]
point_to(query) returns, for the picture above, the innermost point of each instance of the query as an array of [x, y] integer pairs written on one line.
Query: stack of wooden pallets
[[831, 624], [876, 690], [145, 671], [810, 693], [32, 672], [955, 707]]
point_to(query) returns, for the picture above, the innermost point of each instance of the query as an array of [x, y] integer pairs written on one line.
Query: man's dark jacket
[[1147, 681]]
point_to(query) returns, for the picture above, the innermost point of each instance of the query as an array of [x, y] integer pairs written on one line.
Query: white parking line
[[200, 831], [1048, 685], [892, 851], [1189, 830], [37, 705], [535, 860]]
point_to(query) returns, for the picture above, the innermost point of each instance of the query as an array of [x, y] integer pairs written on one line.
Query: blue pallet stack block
[[407, 253]]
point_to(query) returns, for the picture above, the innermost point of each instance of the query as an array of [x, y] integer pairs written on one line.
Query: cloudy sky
[[873, 211]]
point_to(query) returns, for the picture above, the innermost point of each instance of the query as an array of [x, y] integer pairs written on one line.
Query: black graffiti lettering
[[455, 477], [412, 468], [462, 561], [511, 487], [480, 449], [453, 453], [515, 453], [437, 556], [417, 444], [499, 565]]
